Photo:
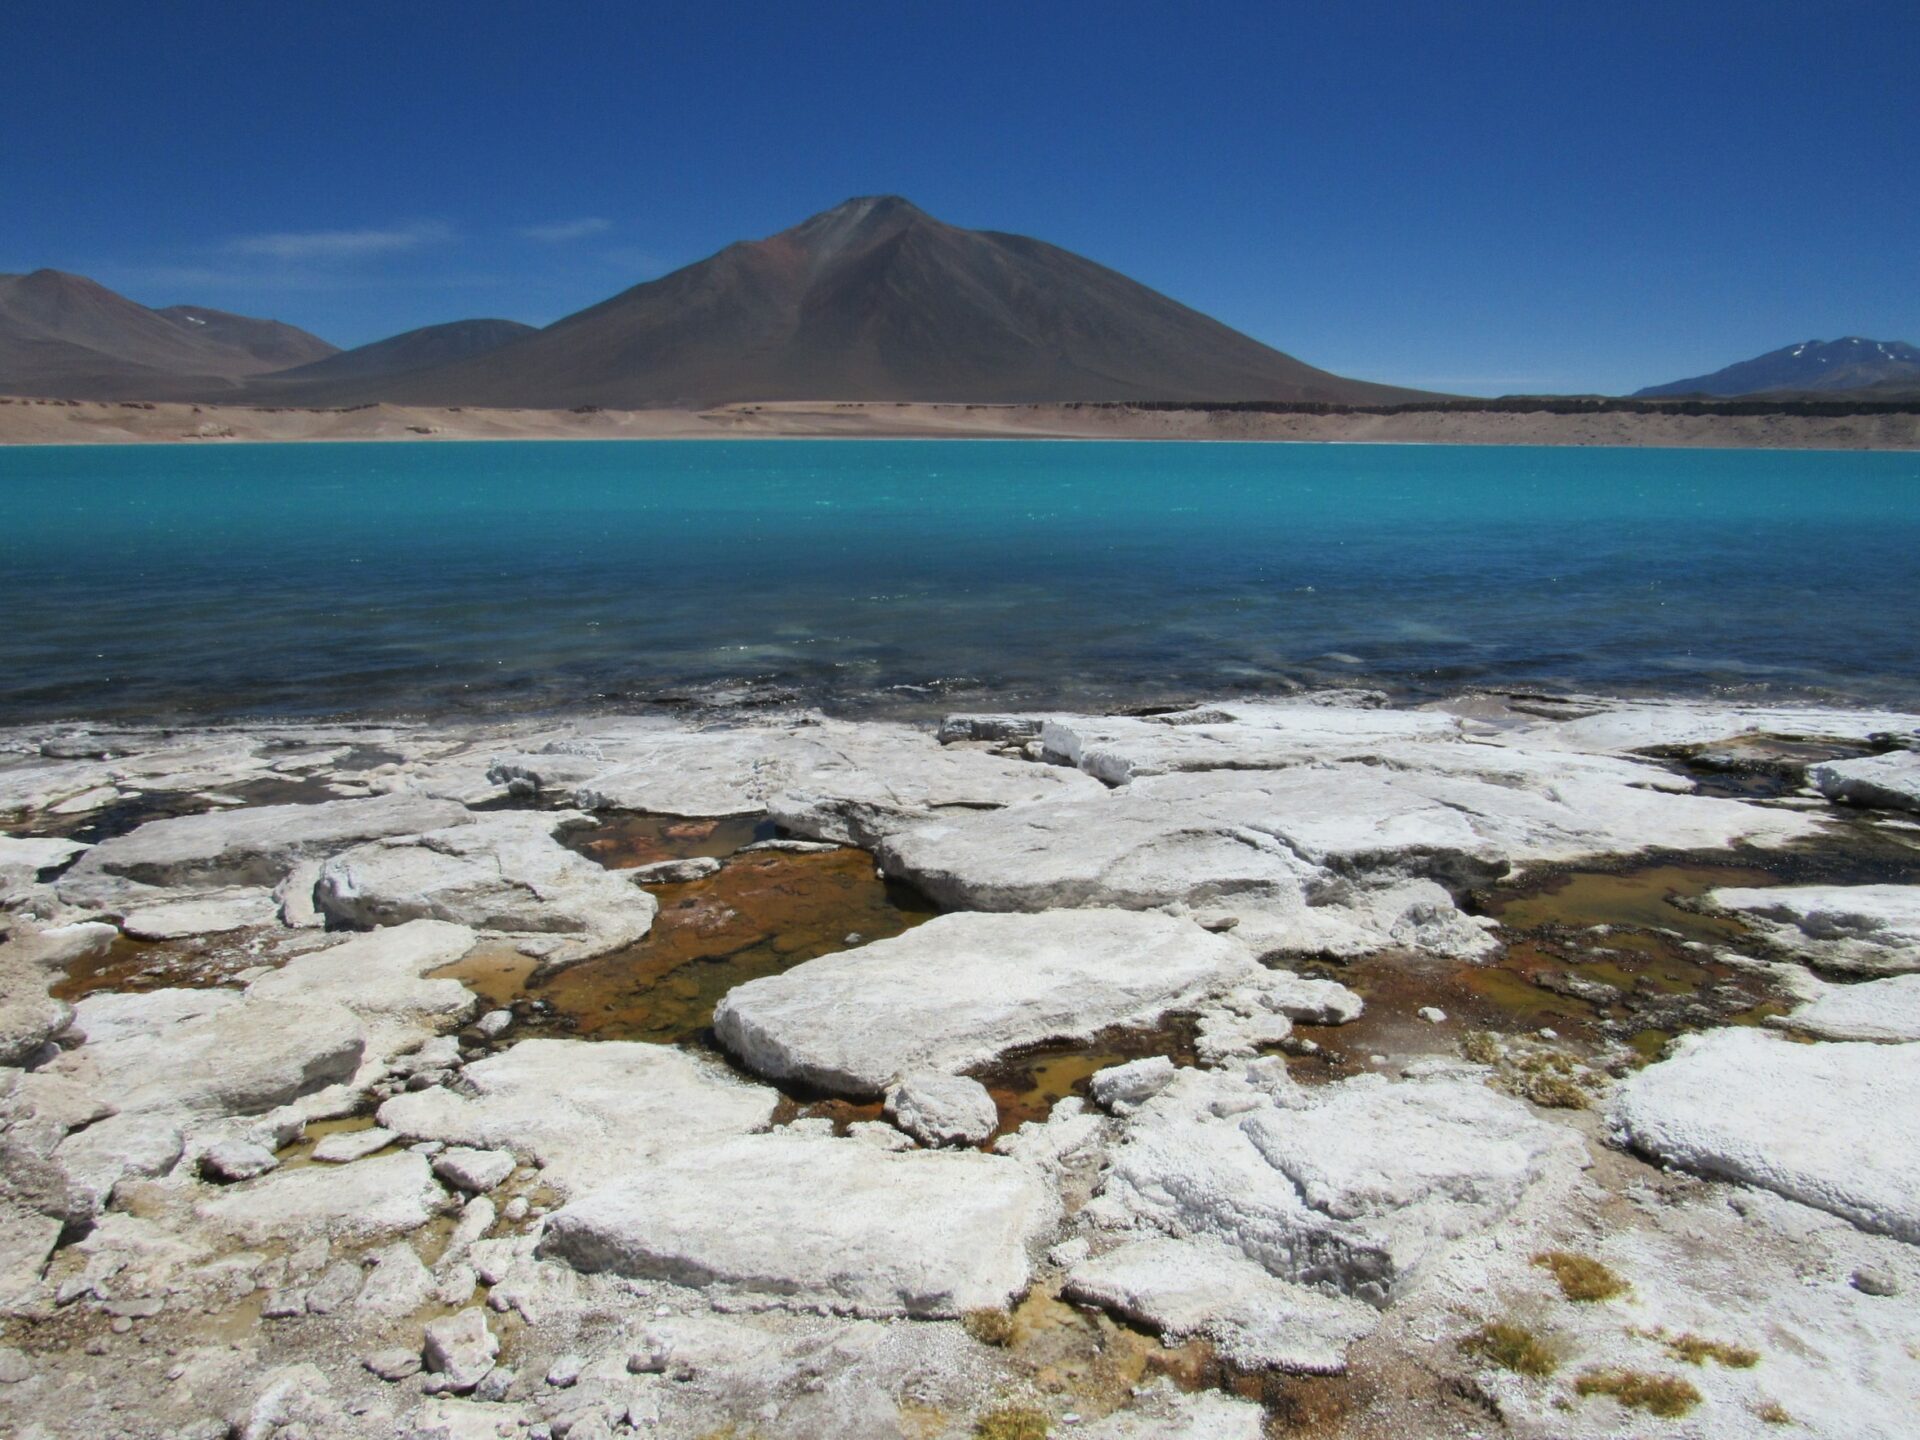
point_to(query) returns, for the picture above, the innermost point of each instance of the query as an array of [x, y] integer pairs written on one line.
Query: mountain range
[[64, 335], [1813, 367], [873, 300]]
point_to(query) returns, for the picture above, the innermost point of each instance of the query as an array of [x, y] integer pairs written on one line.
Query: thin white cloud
[[328, 245], [561, 231]]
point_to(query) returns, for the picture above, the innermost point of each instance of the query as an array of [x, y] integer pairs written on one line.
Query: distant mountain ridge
[[348, 372], [65, 335], [877, 300], [1852, 363]]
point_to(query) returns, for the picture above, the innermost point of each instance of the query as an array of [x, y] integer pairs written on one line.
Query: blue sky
[[1480, 197]]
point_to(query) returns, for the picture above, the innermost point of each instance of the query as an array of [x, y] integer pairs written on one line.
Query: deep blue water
[[365, 578]]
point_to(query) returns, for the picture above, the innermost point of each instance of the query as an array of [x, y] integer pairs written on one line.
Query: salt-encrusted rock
[[956, 728], [55, 947], [1887, 1011], [336, 1288], [961, 989], [387, 1195], [294, 895], [474, 1171], [673, 872], [1883, 782], [211, 914], [382, 978], [29, 1017], [398, 1284], [22, 861], [864, 782], [256, 845], [121, 1147], [1858, 929], [1122, 1089], [1241, 736], [345, 1146], [461, 1348], [1834, 1126], [33, 855], [941, 1109], [1261, 1011], [1348, 1188], [395, 1362], [1595, 725], [209, 1052], [1200, 1286], [235, 1160], [1162, 1412], [1194, 836], [825, 778], [494, 1024], [500, 872], [584, 1108], [823, 1224]]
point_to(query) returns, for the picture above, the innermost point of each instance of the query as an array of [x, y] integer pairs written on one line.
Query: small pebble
[[565, 1372], [1432, 1014]]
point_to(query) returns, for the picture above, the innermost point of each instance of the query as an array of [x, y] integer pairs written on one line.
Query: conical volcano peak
[[856, 223]]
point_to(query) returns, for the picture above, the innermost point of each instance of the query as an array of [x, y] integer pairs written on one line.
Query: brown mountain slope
[[65, 335], [348, 372], [876, 300]]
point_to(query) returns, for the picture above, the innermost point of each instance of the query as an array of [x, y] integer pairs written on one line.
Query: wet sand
[[62, 422]]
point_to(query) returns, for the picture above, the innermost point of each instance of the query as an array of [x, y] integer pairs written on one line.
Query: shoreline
[[35, 422], [513, 1074]]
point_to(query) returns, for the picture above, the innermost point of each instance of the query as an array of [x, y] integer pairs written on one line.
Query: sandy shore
[[59, 422]]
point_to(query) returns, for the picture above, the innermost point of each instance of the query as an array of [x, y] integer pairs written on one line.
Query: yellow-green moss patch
[[1512, 1347], [1581, 1277], [1013, 1422]]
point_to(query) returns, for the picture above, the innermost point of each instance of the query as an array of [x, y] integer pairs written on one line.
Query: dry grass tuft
[[1697, 1350], [1581, 1277], [1480, 1047], [989, 1327], [1774, 1413], [1512, 1347], [1667, 1396]]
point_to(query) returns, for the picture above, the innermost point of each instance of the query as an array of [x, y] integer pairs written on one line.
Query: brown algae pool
[[763, 913]]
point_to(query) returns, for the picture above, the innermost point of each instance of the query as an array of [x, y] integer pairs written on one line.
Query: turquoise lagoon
[[914, 576]]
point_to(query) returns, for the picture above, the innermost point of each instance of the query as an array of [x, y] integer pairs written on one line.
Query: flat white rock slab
[[256, 845], [367, 1199], [584, 1109], [815, 1223], [1348, 1188], [1881, 782], [1203, 1287], [1834, 1126], [213, 914], [1862, 929], [502, 872], [1886, 1011], [209, 1052], [962, 989]]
